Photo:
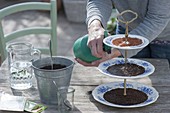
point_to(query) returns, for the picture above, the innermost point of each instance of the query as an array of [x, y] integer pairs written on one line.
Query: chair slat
[[23, 7], [27, 31]]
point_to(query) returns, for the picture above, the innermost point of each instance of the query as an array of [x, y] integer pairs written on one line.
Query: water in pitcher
[[21, 75]]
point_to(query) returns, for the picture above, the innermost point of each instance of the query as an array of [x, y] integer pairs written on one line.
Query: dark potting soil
[[126, 70], [132, 97], [55, 66]]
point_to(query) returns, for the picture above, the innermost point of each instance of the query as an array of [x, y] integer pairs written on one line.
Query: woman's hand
[[95, 43], [95, 38]]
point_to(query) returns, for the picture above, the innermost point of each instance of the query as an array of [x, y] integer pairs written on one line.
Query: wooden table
[[85, 79]]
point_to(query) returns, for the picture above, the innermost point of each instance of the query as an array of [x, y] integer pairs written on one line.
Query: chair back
[[51, 29]]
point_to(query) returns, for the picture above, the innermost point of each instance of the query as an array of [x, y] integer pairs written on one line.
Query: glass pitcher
[[20, 57]]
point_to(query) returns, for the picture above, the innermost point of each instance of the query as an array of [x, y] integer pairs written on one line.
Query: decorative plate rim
[[108, 41], [149, 68], [99, 91]]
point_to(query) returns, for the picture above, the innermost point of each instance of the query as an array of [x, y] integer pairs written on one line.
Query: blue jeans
[[153, 50]]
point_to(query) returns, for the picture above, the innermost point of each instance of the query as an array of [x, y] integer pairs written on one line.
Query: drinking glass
[[65, 99], [20, 57]]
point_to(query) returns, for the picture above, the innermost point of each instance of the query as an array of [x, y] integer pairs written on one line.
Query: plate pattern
[[149, 68], [108, 41], [100, 90]]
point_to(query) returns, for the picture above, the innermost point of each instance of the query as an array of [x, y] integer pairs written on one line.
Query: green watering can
[[83, 52]]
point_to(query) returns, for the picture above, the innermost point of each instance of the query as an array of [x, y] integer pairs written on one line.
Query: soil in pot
[[55, 66], [133, 96], [128, 69], [122, 42]]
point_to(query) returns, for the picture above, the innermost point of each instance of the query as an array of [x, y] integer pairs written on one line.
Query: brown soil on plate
[[130, 42], [126, 70], [132, 97], [55, 66]]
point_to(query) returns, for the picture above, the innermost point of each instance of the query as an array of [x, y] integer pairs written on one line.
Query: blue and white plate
[[108, 41], [100, 90], [149, 68]]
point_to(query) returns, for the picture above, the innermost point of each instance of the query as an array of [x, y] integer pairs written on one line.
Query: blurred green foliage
[[111, 26]]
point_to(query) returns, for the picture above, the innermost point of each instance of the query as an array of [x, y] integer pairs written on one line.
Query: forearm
[[156, 19], [154, 23], [99, 10]]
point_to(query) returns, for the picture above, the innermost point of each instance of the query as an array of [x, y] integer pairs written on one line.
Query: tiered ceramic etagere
[[99, 91]]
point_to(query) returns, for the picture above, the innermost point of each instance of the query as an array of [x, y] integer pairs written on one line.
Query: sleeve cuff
[[88, 22]]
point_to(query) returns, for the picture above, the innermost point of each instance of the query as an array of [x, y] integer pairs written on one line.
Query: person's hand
[[95, 38], [95, 43], [114, 53]]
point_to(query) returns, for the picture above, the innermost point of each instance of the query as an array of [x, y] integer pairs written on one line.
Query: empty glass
[[66, 99], [20, 57]]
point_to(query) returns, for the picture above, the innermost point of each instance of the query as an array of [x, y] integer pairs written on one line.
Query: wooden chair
[[51, 30]]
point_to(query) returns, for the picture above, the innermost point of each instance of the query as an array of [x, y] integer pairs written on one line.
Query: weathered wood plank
[[92, 107]]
